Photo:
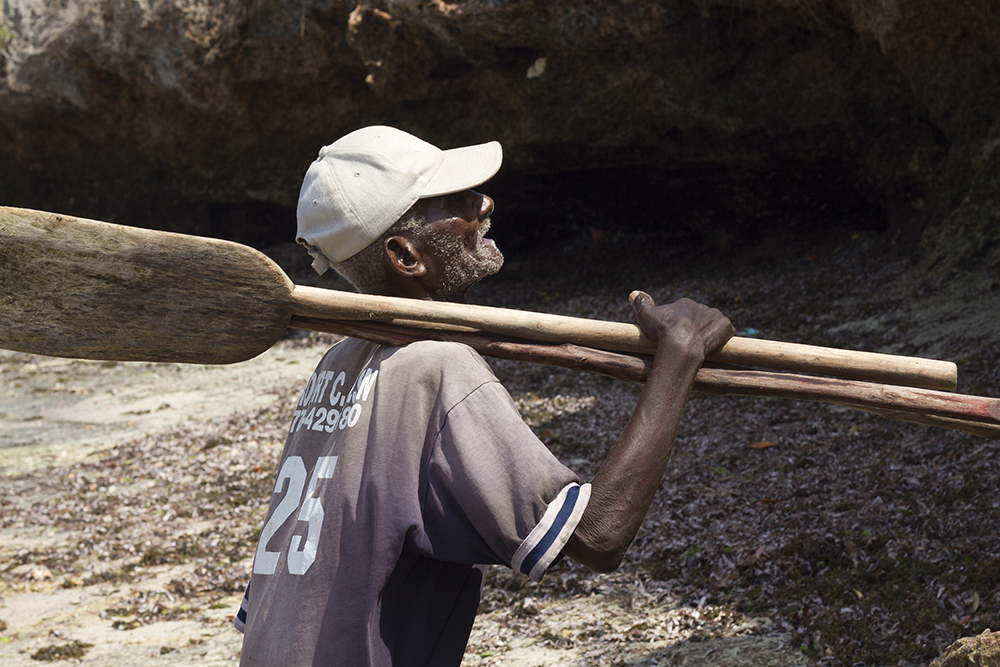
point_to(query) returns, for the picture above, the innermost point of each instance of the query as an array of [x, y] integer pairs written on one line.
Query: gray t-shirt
[[406, 471]]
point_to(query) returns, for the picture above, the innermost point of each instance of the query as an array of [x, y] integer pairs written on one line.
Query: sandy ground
[[50, 403]]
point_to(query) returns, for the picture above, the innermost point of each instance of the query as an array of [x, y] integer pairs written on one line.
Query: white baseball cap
[[361, 184]]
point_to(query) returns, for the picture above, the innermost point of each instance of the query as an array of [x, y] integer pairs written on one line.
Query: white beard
[[462, 268]]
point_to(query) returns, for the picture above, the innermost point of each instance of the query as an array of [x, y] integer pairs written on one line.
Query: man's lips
[[484, 229]]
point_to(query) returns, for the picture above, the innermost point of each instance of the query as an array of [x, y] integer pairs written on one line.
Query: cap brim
[[464, 168]]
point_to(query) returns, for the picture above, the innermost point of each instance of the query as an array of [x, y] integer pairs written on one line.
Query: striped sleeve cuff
[[547, 539], [241, 616]]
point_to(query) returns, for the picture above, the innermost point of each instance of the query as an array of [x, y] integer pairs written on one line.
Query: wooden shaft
[[315, 303], [849, 364], [988, 431], [566, 355], [973, 414], [866, 395]]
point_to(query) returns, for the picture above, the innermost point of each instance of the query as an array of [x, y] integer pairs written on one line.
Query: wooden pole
[[312, 304], [973, 414], [91, 290]]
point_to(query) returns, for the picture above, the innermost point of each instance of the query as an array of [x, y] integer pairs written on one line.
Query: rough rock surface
[[979, 651], [725, 119]]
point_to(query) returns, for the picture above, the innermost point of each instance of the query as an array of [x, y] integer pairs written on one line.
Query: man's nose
[[485, 207]]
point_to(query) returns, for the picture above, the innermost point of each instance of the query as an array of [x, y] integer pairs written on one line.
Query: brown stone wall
[[201, 114]]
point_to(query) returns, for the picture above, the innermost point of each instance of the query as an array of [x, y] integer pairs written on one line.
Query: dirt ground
[[785, 533]]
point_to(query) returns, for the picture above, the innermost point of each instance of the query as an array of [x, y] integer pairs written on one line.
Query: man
[[407, 470]]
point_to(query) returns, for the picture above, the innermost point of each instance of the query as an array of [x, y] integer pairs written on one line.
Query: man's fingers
[[684, 321], [640, 300], [643, 306], [724, 330]]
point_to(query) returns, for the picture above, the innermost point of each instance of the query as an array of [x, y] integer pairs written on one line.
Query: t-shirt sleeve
[[495, 493]]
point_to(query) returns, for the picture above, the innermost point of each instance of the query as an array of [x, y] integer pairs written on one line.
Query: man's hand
[[682, 325]]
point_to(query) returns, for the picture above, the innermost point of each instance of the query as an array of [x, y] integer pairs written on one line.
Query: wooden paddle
[[85, 289]]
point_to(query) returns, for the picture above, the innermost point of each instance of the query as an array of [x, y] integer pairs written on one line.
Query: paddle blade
[[79, 288]]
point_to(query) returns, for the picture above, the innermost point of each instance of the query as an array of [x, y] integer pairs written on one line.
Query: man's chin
[[493, 262], [488, 266]]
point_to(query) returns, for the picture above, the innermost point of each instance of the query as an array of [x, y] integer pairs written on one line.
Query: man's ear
[[404, 257]]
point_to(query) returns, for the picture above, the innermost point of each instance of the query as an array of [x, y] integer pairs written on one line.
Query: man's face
[[453, 238]]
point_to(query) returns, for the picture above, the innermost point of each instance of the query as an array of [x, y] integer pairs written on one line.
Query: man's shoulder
[[449, 357], [425, 360]]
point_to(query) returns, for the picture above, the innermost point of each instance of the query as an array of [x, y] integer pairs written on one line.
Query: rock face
[[727, 119], [980, 651]]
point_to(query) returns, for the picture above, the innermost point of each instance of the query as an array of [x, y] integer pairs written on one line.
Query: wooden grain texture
[[85, 289], [317, 303]]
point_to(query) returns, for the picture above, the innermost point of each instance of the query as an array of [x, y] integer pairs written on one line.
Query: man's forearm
[[625, 485]]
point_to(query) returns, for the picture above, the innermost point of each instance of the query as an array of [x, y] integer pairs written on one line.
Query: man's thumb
[[640, 300]]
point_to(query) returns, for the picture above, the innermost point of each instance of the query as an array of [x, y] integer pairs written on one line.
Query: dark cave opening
[[711, 206], [714, 206]]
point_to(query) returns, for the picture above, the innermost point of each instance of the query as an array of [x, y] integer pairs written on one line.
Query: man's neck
[[413, 290]]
